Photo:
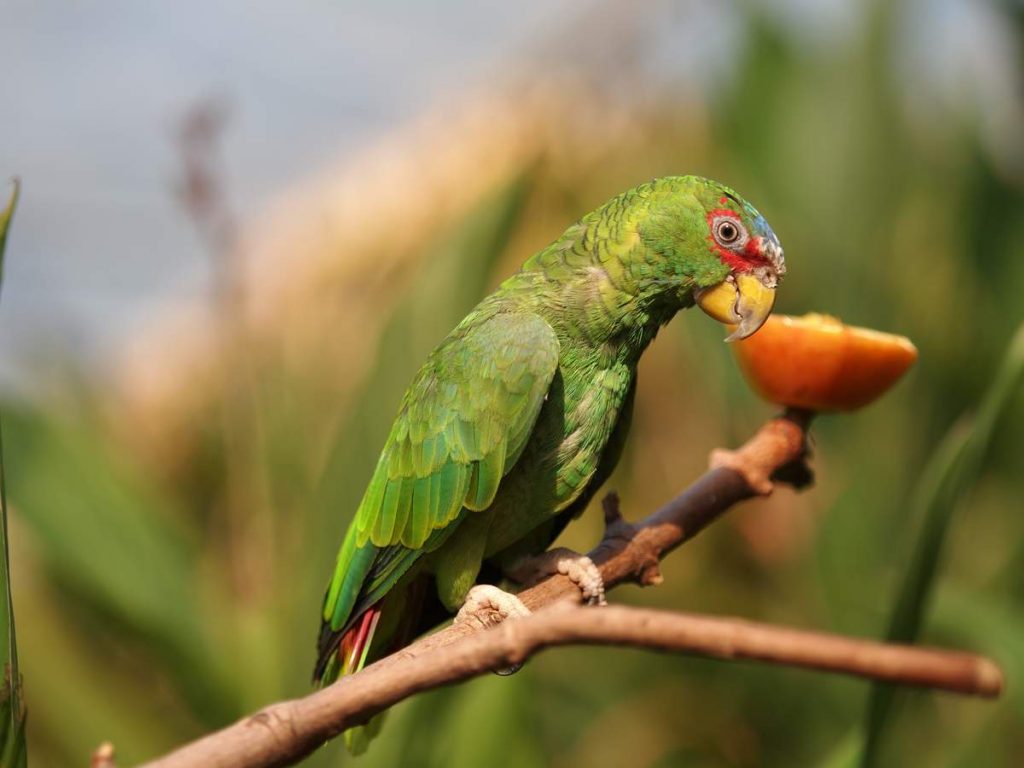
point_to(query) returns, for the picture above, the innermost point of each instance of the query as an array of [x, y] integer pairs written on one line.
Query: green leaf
[[12, 708], [109, 536], [987, 623], [952, 471], [5, 223], [844, 753]]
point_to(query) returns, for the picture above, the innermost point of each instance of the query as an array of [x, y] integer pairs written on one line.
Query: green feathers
[[517, 418], [461, 425]]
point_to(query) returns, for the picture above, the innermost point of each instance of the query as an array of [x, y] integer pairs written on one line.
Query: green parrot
[[518, 416]]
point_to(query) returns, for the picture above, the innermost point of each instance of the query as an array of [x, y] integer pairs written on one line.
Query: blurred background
[[243, 228]]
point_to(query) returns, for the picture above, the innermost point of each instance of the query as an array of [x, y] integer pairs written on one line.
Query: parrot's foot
[[487, 606], [579, 568]]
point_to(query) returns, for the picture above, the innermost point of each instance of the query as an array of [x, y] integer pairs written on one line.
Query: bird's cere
[[771, 249]]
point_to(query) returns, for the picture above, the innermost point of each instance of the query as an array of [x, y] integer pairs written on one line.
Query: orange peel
[[819, 363]]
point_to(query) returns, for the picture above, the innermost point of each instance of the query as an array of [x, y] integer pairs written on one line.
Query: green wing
[[461, 427]]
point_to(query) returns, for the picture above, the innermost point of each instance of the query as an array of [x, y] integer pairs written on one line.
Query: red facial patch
[[741, 261]]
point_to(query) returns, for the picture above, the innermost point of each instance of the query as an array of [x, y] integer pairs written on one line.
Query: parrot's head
[[739, 238], [725, 247]]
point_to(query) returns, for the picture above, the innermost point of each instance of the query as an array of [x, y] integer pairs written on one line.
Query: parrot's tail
[[345, 652], [352, 651], [351, 656], [355, 643], [367, 639]]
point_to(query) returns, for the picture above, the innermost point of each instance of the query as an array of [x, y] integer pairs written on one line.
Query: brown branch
[[631, 552], [283, 733]]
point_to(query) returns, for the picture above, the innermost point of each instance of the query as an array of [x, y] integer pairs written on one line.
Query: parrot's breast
[[563, 452]]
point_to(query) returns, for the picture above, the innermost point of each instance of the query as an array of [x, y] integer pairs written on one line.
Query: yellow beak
[[744, 301]]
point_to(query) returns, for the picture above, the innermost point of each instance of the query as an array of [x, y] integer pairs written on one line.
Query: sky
[[93, 94]]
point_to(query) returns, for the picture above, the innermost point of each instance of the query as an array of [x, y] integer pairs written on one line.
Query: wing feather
[[461, 427], [469, 410]]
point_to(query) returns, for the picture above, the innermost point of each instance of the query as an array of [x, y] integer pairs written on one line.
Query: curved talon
[[487, 606], [584, 574], [580, 570]]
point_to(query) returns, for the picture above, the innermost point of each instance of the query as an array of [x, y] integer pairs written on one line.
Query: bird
[[520, 414]]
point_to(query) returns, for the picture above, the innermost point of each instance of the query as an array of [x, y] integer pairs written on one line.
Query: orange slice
[[817, 362]]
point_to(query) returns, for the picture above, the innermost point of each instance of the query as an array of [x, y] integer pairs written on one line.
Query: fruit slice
[[817, 362]]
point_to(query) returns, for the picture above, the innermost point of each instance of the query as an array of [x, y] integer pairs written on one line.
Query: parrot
[[520, 414]]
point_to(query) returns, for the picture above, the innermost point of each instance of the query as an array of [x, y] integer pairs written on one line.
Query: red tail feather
[[356, 642]]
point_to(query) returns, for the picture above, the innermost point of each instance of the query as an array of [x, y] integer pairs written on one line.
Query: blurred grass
[[170, 574], [13, 751], [953, 470]]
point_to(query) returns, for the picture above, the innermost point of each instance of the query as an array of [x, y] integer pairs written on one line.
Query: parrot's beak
[[743, 300]]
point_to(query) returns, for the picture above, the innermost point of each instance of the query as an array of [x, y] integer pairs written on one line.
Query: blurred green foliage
[[955, 466], [160, 599], [13, 753]]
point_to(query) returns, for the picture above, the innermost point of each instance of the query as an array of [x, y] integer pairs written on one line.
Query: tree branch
[[282, 733], [631, 552], [285, 732]]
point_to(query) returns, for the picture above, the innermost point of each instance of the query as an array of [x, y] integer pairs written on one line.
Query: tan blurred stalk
[[331, 258]]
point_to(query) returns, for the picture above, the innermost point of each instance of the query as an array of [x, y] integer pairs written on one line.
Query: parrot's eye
[[728, 232]]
